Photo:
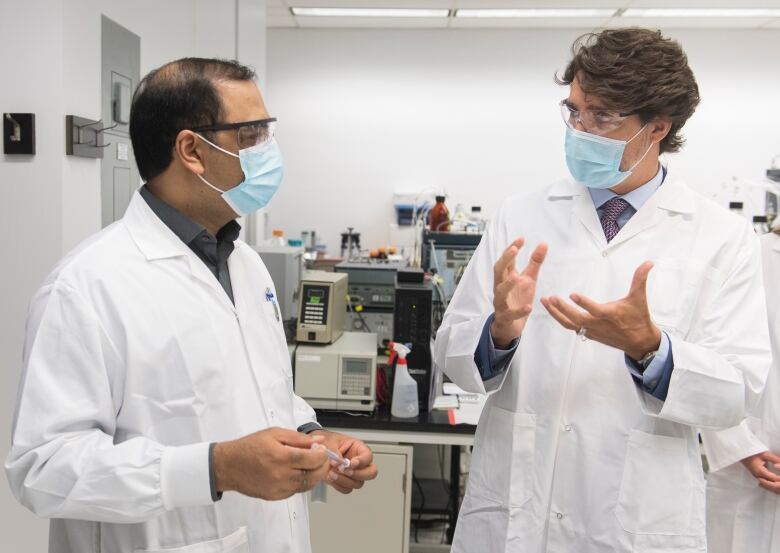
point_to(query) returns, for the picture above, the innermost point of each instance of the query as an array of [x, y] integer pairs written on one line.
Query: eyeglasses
[[250, 133], [595, 121]]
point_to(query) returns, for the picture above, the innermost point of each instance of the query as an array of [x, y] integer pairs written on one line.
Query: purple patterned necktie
[[611, 211]]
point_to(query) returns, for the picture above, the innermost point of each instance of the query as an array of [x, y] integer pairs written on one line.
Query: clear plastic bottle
[[477, 223], [405, 403], [460, 221], [440, 216], [277, 238]]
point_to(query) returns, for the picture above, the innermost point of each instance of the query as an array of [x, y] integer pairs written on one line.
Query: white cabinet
[[375, 518]]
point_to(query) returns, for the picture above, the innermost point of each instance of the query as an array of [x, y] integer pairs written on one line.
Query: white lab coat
[[135, 360], [569, 454], [741, 516]]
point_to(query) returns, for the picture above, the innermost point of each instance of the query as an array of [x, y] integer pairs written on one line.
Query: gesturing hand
[[624, 324], [513, 292]]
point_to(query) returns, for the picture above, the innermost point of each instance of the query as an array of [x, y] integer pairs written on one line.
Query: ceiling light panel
[[534, 13], [370, 12], [701, 12]]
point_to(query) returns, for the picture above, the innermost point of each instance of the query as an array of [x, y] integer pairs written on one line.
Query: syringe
[[343, 464]]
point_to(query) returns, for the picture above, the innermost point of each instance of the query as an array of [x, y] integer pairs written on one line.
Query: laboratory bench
[[391, 437], [431, 427]]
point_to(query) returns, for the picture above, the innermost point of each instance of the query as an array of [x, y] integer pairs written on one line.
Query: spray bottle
[[404, 387]]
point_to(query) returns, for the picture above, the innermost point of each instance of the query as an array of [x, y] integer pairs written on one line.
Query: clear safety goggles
[[249, 133], [594, 121]]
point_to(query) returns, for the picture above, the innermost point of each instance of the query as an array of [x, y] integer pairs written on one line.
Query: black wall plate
[[19, 133]]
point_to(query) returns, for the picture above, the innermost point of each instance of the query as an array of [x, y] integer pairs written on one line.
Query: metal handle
[[17, 136]]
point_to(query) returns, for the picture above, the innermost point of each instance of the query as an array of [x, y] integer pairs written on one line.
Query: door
[[374, 518], [121, 68]]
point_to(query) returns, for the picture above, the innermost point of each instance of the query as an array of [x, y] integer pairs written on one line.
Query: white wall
[[364, 113], [30, 211], [52, 201]]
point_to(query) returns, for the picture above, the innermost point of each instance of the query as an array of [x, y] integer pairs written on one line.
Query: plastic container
[[405, 403], [277, 238], [440, 216], [461, 220], [476, 220]]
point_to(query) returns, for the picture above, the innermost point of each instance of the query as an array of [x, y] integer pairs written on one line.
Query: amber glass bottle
[[440, 216]]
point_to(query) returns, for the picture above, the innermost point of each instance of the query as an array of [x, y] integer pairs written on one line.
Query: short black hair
[[177, 96]]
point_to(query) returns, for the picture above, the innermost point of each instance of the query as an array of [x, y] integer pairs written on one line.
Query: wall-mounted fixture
[[19, 133], [84, 137], [120, 100]]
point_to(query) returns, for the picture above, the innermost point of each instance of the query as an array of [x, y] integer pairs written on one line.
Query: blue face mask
[[263, 171], [595, 160]]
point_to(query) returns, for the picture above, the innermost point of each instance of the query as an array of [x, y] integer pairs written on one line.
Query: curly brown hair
[[636, 71]]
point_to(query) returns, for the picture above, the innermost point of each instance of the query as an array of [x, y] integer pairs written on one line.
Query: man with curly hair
[[636, 318]]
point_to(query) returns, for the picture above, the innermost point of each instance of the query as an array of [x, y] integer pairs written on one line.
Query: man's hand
[[513, 293], [767, 478], [624, 324], [361, 467], [272, 464]]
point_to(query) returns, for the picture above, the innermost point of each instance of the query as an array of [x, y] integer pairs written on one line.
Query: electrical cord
[[439, 306], [419, 512], [434, 256], [362, 319], [350, 413], [459, 273]]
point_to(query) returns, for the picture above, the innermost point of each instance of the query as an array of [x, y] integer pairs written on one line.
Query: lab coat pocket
[[656, 490], [502, 462], [237, 542], [673, 289]]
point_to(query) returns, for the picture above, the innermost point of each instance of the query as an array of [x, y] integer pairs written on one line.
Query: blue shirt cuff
[[656, 377], [490, 360]]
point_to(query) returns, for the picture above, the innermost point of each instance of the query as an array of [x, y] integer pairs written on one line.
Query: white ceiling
[[279, 14]]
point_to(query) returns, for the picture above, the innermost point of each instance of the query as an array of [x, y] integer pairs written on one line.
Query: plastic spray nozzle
[[401, 350]]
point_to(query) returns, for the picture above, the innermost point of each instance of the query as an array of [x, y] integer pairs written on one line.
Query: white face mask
[[263, 169]]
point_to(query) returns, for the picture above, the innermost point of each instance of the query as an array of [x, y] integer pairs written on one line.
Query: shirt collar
[[636, 198], [181, 225]]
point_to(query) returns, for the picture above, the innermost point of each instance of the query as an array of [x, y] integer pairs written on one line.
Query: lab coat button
[[604, 253], [295, 515], [567, 428], [559, 516]]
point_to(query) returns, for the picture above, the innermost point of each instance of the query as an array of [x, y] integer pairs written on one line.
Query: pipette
[[343, 464]]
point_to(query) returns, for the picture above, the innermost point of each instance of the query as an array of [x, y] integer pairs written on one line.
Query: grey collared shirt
[[212, 250]]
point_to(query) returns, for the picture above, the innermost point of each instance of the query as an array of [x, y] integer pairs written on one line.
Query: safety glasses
[[595, 121], [250, 133]]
